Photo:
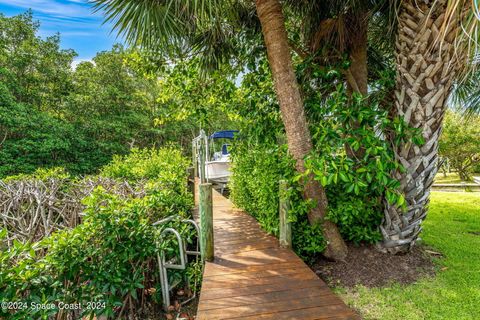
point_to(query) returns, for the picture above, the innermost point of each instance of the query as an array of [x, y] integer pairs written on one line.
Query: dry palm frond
[[460, 27]]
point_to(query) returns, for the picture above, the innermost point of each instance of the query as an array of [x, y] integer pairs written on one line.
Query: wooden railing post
[[194, 159], [285, 237], [205, 208], [191, 181], [202, 157]]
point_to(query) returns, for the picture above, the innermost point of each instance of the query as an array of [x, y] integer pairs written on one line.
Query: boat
[[217, 168], [216, 156]]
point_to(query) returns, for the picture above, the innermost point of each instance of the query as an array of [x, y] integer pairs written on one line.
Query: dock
[[252, 277]]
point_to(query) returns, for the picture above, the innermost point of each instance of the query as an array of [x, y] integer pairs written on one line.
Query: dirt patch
[[367, 266], [187, 311]]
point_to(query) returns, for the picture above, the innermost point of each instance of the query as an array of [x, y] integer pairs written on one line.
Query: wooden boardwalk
[[253, 278]]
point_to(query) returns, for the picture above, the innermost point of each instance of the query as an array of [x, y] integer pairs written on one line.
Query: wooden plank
[[337, 312], [263, 273], [238, 283], [253, 289], [273, 307], [245, 248], [249, 246], [274, 254], [238, 236], [214, 269], [236, 260], [239, 239], [264, 297]]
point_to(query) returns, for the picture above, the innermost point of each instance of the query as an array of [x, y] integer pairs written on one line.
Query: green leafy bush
[[42, 174], [110, 257], [351, 157], [165, 169], [357, 218], [165, 164], [257, 170]]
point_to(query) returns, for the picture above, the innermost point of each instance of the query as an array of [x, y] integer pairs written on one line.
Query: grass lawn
[[451, 177], [454, 293]]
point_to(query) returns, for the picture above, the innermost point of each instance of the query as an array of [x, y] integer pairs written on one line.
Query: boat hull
[[217, 171]]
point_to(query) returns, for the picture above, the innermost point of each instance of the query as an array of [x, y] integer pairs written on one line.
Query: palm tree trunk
[[426, 66], [357, 73], [293, 116]]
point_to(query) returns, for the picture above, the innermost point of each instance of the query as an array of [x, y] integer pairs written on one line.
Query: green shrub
[[358, 219], [165, 170], [111, 256], [41, 174], [351, 158], [256, 171], [166, 164]]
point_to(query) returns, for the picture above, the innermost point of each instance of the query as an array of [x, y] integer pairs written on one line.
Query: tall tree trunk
[[293, 116], [425, 70], [357, 73]]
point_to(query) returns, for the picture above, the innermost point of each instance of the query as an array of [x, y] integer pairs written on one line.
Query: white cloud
[[71, 9], [76, 62]]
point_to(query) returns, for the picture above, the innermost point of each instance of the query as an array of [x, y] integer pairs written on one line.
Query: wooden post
[[285, 237], [202, 155], [194, 160], [191, 181], [206, 221]]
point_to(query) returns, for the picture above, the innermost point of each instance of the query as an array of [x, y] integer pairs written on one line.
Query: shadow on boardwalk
[[253, 278]]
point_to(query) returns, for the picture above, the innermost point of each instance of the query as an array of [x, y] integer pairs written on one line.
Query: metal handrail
[[181, 249], [183, 252]]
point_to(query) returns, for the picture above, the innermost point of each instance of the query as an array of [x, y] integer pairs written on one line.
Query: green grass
[[451, 178], [454, 293]]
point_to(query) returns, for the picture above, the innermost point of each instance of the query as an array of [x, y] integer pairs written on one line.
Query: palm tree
[[433, 47], [432, 50], [202, 24]]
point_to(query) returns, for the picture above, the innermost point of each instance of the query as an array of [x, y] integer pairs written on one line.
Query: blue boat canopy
[[228, 134]]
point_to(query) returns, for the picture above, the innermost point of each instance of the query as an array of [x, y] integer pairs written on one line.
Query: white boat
[[218, 171], [217, 167], [217, 163]]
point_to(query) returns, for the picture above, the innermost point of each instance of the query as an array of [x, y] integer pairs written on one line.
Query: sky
[[80, 29]]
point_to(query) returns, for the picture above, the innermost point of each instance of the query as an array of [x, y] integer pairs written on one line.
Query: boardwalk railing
[[285, 237], [205, 209]]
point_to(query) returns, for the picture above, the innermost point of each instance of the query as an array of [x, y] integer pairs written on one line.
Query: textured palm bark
[[425, 70], [293, 116]]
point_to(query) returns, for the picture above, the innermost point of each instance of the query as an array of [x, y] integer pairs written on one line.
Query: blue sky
[[79, 27]]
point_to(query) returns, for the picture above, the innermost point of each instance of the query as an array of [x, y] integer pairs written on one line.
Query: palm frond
[[461, 27], [179, 29], [466, 93], [153, 23]]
